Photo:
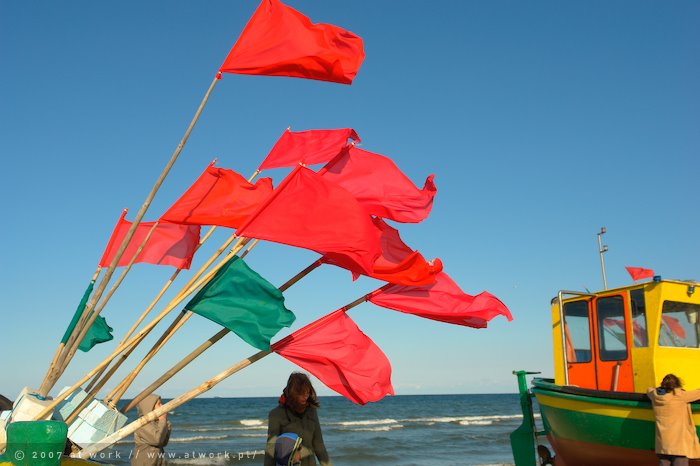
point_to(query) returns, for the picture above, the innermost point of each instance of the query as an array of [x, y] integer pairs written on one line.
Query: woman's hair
[[297, 383], [671, 382]]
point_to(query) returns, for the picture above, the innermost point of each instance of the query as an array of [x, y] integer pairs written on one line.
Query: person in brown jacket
[[150, 439], [676, 437]]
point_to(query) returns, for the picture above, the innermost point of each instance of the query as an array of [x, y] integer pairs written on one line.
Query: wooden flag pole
[[145, 313], [61, 345], [66, 357], [49, 408], [206, 386], [206, 345], [169, 406], [53, 377], [116, 394]]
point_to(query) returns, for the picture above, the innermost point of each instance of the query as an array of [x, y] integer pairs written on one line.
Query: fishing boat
[[613, 345]]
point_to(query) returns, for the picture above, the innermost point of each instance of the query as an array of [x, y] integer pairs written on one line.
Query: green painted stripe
[[597, 429]]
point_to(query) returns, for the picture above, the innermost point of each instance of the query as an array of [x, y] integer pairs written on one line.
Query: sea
[[406, 430]]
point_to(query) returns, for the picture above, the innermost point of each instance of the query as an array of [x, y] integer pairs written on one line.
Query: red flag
[[169, 244], [443, 301], [398, 263], [280, 41], [637, 273], [379, 186], [308, 212], [346, 360], [674, 325], [307, 147], [219, 197]]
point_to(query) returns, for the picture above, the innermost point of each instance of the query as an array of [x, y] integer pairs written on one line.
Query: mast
[[602, 249]]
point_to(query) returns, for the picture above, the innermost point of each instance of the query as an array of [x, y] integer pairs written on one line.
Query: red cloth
[[398, 263], [308, 212], [280, 41], [307, 147], [346, 360], [219, 197], [637, 273], [379, 185], [169, 244], [443, 301]]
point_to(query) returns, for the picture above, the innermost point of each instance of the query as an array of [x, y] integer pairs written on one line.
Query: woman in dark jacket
[[296, 413]]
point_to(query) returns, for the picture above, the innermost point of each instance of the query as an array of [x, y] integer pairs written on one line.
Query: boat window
[[639, 319], [612, 331], [679, 324], [577, 332]]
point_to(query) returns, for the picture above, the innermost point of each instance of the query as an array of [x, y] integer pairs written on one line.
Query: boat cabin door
[[597, 344]]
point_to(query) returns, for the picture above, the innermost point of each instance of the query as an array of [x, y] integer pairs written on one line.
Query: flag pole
[[169, 406], [119, 391], [146, 312], [65, 358], [206, 386], [221, 333], [48, 384], [49, 408]]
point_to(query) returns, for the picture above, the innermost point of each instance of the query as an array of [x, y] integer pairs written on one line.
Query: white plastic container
[[94, 423], [28, 405]]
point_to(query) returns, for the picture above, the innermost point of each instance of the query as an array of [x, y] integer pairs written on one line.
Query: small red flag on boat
[[443, 301], [637, 273], [308, 147], [280, 41], [346, 360], [219, 197], [380, 186], [398, 263], [169, 244], [308, 212]]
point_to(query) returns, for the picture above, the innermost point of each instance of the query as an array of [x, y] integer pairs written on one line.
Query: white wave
[[368, 422], [463, 419], [252, 422], [198, 437], [377, 429], [226, 429], [475, 423]]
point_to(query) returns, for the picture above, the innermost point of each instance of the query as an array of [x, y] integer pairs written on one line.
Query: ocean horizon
[[401, 430]]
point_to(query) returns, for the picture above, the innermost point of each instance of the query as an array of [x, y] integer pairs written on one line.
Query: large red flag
[[308, 212], [169, 244], [379, 185], [219, 197], [443, 301], [308, 147], [398, 263], [280, 41], [637, 273], [346, 360]]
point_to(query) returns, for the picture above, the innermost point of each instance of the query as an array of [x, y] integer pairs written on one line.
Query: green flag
[[239, 299], [99, 331]]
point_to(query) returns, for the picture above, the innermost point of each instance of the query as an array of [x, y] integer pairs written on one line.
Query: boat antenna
[[602, 249]]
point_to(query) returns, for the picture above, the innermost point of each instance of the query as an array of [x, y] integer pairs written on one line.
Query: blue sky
[[542, 122]]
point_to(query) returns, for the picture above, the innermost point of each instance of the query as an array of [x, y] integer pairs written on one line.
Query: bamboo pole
[[61, 345], [146, 312], [206, 345], [53, 376], [176, 368], [66, 356], [169, 406], [116, 395], [49, 408], [206, 386]]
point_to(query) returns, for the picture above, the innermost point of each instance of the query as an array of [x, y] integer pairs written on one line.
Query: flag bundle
[[338, 212]]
